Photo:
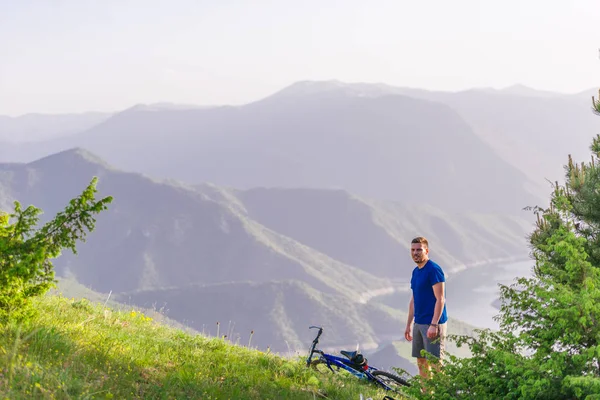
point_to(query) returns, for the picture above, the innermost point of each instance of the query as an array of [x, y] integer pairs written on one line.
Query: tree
[[26, 269], [548, 345]]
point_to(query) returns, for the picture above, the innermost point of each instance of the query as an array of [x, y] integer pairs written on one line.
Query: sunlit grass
[[74, 349]]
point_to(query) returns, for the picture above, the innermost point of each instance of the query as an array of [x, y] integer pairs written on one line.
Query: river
[[470, 293]]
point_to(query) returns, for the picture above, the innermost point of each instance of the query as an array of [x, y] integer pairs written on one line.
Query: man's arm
[[409, 320], [438, 292]]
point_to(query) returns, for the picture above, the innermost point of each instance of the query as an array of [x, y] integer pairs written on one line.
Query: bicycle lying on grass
[[355, 364]]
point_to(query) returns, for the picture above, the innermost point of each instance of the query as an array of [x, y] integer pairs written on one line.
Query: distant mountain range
[[272, 260], [41, 127], [530, 129], [455, 151], [297, 209]]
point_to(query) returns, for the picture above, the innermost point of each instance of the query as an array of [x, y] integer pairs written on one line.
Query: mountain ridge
[[160, 237], [519, 141], [269, 144]]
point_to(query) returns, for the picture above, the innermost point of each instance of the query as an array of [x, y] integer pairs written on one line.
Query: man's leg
[[423, 367], [437, 346], [419, 343]]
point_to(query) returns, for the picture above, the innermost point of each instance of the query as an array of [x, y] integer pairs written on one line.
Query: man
[[427, 307]]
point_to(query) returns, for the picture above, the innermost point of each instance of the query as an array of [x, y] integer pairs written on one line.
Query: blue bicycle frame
[[345, 364], [365, 372]]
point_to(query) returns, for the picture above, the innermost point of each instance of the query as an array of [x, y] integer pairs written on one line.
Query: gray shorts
[[434, 346]]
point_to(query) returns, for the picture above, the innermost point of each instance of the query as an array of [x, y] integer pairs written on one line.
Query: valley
[[294, 210]]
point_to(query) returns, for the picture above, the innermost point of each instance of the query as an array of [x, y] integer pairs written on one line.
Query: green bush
[[26, 252]]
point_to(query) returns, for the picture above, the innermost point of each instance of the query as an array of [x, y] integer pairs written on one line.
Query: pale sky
[[106, 55]]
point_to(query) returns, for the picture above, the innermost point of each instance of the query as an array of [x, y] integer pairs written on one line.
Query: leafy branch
[[26, 269]]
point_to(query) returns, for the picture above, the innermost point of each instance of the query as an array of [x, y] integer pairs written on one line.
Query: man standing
[[427, 307]]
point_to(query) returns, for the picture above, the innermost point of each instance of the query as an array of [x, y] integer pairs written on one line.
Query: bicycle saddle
[[350, 354]]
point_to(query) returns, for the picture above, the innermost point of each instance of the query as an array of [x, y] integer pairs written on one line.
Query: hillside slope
[[77, 349], [158, 234], [375, 235]]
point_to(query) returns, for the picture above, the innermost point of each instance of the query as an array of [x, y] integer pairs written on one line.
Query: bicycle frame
[[341, 362]]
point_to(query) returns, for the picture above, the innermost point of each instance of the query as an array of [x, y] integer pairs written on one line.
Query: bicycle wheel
[[388, 379]]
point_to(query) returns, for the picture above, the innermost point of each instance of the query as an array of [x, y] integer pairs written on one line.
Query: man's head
[[419, 250]]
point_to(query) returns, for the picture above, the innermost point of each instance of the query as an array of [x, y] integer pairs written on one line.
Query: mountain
[[374, 235], [388, 357], [166, 106], [207, 252], [522, 90], [533, 130], [39, 127], [388, 147], [288, 139], [162, 235]]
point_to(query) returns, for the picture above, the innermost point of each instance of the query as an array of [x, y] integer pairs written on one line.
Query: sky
[[82, 55]]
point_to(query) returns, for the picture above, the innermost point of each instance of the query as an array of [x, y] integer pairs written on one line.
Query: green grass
[[76, 349]]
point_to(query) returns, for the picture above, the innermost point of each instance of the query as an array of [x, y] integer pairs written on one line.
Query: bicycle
[[355, 363]]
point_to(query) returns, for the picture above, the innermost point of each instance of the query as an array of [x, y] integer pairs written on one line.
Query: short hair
[[421, 239]]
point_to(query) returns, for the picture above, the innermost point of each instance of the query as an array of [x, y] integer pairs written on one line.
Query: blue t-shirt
[[424, 300]]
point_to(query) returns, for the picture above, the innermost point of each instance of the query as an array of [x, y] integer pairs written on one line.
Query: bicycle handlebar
[[318, 334], [314, 343]]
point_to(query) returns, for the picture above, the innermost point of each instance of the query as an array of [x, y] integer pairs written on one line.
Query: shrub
[[26, 252]]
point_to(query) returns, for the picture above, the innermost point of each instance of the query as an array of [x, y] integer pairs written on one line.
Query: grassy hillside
[[78, 349], [70, 288]]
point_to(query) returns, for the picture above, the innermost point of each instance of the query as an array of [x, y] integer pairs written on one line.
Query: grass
[[76, 349]]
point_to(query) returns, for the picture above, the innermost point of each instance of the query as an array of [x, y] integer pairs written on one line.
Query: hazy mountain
[[375, 235], [163, 235], [388, 356], [166, 106], [522, 90], [388, 147], [534, 130], [517, 90], [153, 226], [531, 129], [279, 313], [534, 133], [24, 152], [164, 242], [288, 139], [37, 127]]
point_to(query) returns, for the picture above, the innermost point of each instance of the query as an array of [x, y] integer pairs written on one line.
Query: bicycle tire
[[393, 377]]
